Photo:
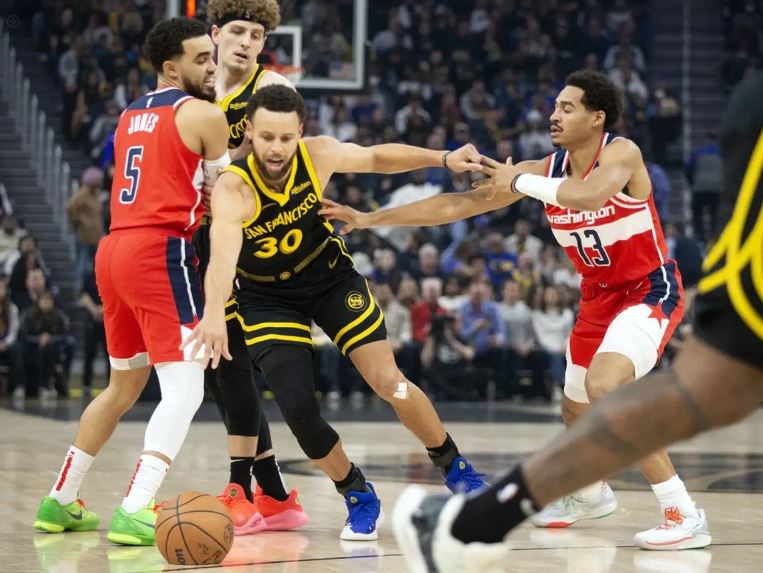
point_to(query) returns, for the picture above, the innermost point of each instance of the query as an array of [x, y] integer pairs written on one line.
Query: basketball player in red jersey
[[147, 277], [599, 203]]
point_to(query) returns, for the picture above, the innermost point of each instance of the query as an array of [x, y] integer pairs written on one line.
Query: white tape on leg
[[402, 391]]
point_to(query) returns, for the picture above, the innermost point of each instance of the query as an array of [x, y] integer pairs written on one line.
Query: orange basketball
[[194, 529]]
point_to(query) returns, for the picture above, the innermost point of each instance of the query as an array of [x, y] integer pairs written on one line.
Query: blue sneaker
[[462, 477], [364, 514]]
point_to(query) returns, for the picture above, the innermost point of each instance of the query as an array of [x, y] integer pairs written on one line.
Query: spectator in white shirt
[[553, 325]]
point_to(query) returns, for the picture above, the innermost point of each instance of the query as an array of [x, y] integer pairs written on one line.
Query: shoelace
[[81, 503], [473, 479], [672, 518], [158, 507]]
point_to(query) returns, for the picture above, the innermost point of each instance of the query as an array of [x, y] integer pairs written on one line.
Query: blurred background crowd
[[480, 308]]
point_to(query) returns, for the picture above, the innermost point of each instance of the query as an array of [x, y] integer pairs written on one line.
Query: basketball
[[194, 529]]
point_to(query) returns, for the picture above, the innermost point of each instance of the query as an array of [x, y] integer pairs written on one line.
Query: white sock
[[76, 464], [146, 481], [590, 492], [672, 493]]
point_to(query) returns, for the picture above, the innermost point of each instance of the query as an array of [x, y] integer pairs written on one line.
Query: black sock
[[268, 477], [489, 516], [444, 455], [355, 481], [241, 474]]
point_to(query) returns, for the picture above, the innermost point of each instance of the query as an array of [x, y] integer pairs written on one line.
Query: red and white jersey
[[154, 170], [620, 243]]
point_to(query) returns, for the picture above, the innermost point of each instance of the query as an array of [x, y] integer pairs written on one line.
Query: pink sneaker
[[244, 514], [280, 515]]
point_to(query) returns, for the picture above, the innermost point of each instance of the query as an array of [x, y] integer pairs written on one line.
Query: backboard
[[320, 43]]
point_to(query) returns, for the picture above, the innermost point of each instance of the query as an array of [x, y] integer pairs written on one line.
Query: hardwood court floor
[[724, 469]]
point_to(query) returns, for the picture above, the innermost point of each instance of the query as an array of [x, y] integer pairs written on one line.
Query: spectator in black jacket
[[43, 334]]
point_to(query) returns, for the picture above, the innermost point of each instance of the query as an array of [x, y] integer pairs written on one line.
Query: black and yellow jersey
[[730, 306], [234, 106], [286, 233]]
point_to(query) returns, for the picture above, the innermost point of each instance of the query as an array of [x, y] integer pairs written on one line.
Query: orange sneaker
[[280, 515], [244, 514]]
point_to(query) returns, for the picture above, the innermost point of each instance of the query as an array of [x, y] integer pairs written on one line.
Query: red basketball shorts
[[151, 294], [636, 321]]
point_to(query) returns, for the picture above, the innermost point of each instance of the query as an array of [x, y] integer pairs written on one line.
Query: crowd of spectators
[[36, 349], [490, 296]]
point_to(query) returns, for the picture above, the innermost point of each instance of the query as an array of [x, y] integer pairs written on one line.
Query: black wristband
[[514, 182], [445, 159]]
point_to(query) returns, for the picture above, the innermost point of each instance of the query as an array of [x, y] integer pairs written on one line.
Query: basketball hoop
[[292, 73]]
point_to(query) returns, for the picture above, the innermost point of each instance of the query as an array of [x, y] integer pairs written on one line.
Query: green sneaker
[[52, 517], [134, 528]]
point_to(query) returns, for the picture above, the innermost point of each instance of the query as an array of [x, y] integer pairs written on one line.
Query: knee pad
[[182, 386], [289, 373]]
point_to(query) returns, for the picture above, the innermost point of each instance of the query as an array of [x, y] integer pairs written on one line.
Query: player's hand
[[465, 158], [352, 218], [242, 150], [211, 336], [206, 197], [499, 176]]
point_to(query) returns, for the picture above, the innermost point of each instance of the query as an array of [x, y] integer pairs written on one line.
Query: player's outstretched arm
[[332, 156], [617, 164], [438, 210], [229, 209]]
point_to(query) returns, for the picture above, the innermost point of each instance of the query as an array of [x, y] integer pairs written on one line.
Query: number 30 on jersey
[[270, 246]]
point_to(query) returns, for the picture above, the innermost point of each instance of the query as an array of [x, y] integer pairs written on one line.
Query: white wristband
[[542, 188], [212, 168]]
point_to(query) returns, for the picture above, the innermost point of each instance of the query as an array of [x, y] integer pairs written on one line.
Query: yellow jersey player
[[239, 29], [291, 270]]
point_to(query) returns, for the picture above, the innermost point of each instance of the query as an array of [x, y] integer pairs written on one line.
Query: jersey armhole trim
[[248, 180]]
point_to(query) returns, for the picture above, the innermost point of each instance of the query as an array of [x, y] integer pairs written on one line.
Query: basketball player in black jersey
[[716, 380], [239, 29], [290, 269]]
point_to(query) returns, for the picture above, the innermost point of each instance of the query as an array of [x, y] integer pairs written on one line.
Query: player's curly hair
[[276, 97], [165, 40], [265, 12], [599, 94]]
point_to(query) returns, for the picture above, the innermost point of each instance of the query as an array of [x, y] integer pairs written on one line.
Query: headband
[[231, 16]]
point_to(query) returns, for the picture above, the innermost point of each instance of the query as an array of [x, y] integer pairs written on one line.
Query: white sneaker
[[19, 393], [422, 525], [676, 532], [570, 509]]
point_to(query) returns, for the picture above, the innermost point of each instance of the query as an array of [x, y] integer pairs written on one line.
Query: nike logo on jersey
[[333, 263]]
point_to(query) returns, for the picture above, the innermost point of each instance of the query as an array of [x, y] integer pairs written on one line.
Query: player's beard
[[264, 170], [199, 90]]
